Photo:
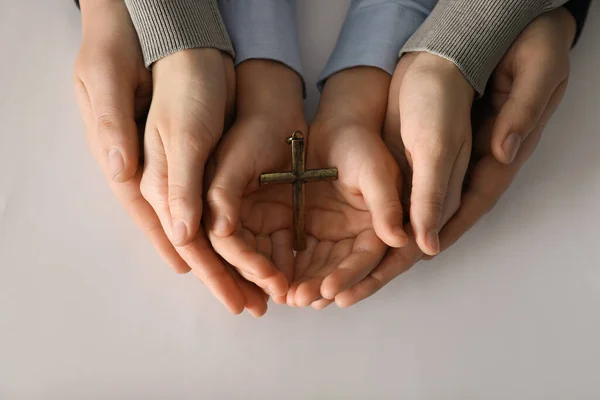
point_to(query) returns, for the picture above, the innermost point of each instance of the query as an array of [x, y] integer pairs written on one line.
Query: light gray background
[[89, 311]]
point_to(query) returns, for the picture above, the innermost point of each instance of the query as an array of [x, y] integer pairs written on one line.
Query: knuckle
[[391, 205], [215, 195], [530, 112], [108, 128], [431, 200]]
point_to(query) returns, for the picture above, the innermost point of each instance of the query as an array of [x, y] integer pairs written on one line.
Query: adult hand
[[113, 90], [526, 89], [532, 76]]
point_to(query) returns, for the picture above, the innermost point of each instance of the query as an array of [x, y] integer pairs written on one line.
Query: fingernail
[[179, 232], [433, 241], [221, 225], [511, 146], [116, 163]]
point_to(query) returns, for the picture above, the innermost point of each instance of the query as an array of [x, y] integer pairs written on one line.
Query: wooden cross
[[298, 176]]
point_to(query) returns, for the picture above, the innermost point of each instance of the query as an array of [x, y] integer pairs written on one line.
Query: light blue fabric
[[372, 35], [264, 29]]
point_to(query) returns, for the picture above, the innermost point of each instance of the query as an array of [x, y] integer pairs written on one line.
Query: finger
[[491, 179], [131, 198], [395, 262], [256, 302], [431, 174], [306, 287], [237, 252], [113, 110], [211, 270], [321, 304], [367, 252], [144, 216], [381, 192], [187, 149], [455, 184], [529, 95], [310, 290], [224, 197], [154, 182]]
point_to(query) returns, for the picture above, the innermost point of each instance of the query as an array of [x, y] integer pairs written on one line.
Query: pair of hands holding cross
[[208, 131]]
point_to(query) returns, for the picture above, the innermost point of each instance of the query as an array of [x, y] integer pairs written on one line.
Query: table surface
[[88, 310]]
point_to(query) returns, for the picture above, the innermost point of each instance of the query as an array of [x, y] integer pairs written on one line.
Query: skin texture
[[251, 224], [352, 221], [114, 92], [526, 89]]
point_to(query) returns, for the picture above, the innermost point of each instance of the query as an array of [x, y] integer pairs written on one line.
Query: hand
[[349, 221], [532, 76], [250, 225], [527, 88], [399, 260], [114, 90], [434, 101]]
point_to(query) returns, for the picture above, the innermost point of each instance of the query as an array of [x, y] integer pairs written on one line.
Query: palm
[[342, 246]]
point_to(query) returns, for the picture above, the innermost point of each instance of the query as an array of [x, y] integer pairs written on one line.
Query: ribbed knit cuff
[[167, 26], [475, 34], [373, 34]]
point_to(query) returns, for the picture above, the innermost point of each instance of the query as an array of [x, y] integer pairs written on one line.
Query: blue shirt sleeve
[[373, 34], [265, 29]]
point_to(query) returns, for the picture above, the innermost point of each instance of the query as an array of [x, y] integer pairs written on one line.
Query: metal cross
[[297, 177]]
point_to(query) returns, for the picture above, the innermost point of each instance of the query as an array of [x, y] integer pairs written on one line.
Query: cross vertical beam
[[298, 177]]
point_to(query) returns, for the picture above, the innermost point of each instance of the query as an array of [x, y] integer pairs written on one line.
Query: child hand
[[185, 122], [434, 105], [348, 221], [250, 225]]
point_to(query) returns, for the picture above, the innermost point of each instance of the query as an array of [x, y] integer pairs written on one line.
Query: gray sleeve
[[167, 26], [263, 29], [374, 32], [475, 34]]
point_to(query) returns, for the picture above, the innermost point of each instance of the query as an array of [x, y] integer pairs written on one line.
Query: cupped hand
[[526, 89], [349, 222], [434, 132], [250, 225], [114, 91]]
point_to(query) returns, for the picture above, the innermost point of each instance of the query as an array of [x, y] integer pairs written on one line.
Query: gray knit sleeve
[[167, 26], [475, 34]]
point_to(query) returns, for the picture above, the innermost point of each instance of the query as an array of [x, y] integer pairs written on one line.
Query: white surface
[[89, 311]]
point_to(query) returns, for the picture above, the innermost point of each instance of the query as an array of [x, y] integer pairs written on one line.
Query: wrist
[[356, 96], [268, 89], [569, 25]]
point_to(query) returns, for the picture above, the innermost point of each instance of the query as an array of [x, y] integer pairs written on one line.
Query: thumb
[[115, 128], [529, 94], [381, 192], [224, 197]]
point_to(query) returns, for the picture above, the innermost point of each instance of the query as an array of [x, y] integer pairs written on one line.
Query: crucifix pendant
[[297, 177]]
